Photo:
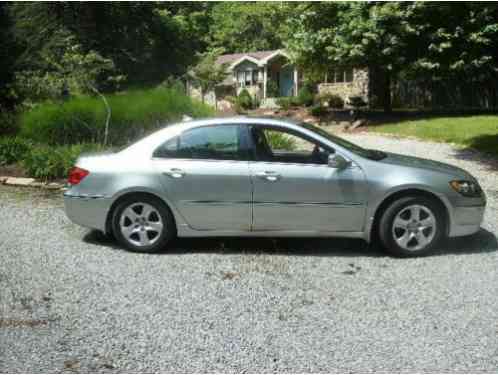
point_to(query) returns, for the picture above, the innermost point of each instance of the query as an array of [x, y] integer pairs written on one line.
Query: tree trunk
[[386, 99]]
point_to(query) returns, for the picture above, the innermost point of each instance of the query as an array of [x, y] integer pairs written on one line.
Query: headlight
[[466, 188]]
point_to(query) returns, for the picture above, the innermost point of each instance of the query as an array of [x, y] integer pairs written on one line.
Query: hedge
[[82, 119]]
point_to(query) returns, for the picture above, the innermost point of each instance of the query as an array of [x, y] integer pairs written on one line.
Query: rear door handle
[[269, 176], [175, 173]]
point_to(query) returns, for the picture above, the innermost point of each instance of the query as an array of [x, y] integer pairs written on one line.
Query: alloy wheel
[[141, 224], [414, 227]]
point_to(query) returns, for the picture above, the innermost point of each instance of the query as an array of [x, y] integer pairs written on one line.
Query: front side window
[[248, 77], [240, 78], [221, 142], [278, 145]]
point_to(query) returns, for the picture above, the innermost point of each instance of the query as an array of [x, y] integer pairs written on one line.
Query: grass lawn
[[478, 132]]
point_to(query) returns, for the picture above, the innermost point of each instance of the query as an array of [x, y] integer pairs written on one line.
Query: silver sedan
[[258, 177]]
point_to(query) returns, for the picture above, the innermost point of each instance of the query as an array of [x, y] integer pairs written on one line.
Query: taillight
[[76, 175]]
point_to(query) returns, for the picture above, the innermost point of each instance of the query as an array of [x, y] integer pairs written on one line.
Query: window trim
[[334, 75], [243, 139], [296, 133]]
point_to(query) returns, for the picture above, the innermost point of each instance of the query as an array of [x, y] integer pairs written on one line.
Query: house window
[[340, 75], [248, 80], [240, 78], [247, 77]]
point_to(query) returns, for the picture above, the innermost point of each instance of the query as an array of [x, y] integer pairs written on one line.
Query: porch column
[[265, 74], [296, 79]]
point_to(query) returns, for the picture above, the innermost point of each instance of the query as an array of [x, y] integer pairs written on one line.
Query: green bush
[[46, 162], [332, 100], [8, 123], [356, 101], [284, 102], [134, 113], [280, 141], [318, 110], [305, 97], [271, 88], [244, 100], [13, 149]]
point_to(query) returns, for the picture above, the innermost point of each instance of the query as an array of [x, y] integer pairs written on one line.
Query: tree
[[433, 40], [355, 34], [248, 26], [147, 42], [207, 73], [8, 54]]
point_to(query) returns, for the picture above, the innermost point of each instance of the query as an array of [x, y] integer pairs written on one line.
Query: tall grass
[[134, 113]]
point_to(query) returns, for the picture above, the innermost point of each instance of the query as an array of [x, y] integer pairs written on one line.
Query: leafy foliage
[[305, 97], [134, 113], [8, 123], [318, 110], [280, 141], [207, 73], [13, 149], [248, 26], [244, 100], [356, 101], [45, 162], [434, 40], [331, 100]]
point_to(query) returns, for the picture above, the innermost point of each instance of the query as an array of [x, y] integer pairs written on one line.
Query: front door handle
[[269, 176], [175, 173]]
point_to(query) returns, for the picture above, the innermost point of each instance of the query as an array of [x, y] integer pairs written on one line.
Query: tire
[[403, 234], [143, 223]]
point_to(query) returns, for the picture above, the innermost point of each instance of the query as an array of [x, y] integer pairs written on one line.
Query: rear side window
[[220, 142]]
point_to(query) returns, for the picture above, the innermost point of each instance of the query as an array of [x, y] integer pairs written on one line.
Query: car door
[[296, 190], [205, 174]]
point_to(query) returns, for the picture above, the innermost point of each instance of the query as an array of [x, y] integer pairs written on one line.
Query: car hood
[[426, 164]]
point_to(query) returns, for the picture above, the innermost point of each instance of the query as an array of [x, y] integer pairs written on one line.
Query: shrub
[[305, 97], [356, 101], [45, 162], [244, 100], [8, 123], [13, 149], [332, 100], [284, 102], [271, 89], [280, 141], [318, 110], [134, 113]]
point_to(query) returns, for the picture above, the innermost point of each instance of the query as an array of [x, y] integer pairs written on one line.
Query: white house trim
[[274, 54], [243, 58]]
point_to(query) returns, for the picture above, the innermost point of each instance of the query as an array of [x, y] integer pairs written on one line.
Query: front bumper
[[466, 220], [87, 211]]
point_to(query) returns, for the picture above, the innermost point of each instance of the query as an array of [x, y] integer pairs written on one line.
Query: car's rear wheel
[[412, 226], [143, 223]]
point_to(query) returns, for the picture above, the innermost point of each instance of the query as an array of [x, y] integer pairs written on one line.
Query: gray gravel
[[72, 301]]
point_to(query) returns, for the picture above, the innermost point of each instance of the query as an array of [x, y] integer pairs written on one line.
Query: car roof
[[253, 120]]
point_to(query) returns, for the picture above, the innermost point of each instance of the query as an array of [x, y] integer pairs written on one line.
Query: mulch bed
[[13, 170]]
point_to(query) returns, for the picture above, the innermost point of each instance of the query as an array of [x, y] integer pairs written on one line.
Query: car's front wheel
[[143, 223], [412, 226]]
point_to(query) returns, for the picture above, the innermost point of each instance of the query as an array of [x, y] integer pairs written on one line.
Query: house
[[270, 74]]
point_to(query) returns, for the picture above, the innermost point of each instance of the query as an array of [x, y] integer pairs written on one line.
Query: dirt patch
[[13, 170]]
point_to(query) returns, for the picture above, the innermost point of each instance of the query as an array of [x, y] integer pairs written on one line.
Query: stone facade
[[358, 87], [194, 91]]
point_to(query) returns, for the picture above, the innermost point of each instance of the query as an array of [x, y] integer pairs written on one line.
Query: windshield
[[366, 153]]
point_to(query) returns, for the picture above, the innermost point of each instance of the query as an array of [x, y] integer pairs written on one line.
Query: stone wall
[[358, 87], [194, 91]]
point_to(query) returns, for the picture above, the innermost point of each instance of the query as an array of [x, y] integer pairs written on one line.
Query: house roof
[[259, 57], [231, 58]]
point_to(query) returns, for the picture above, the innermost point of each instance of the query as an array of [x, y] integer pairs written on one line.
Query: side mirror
[[338, 162]]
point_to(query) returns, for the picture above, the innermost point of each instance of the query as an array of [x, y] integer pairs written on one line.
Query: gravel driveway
[[72, 301]]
